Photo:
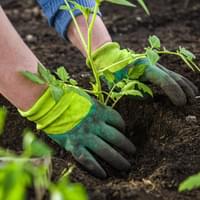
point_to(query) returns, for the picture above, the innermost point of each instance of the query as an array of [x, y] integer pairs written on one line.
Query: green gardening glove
[[178, 88], [84, 127]]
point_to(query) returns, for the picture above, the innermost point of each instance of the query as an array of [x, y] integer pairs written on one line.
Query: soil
[[167, 142]]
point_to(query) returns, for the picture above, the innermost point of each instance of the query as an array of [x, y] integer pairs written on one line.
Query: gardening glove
[[82, 126], [175, 86]]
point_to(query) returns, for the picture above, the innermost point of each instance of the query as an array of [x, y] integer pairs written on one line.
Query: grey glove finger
[[85, 158], [162, 79], [189, 88], [107, 153], [113, 118], [113, 136]]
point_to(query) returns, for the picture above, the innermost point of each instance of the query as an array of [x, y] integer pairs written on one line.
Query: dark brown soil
[[168, 145]]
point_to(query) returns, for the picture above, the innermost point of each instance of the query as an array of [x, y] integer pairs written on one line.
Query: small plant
[[152, 52], [32, 168], [192, 182]]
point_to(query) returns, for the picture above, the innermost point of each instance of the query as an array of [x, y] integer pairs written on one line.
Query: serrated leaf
[[62, 74], [154, 42], [129, 85], [57, 92], [121, 2], [137, 71], [116, 95], [188, 54], [73, 82], [33, 77], [120, 84], [109, 76], [190, 183], [44, 73], [34, 146], [133, 93], [143, 5], [144, 88], [152, 56]]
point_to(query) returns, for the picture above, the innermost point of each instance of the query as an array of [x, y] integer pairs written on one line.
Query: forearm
[[15, 57], [63, 24]]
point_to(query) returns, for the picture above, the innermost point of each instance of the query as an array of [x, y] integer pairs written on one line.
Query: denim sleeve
[[60, 19]]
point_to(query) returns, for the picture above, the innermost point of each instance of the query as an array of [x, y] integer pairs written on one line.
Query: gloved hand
[[82, 126], [178, 88]]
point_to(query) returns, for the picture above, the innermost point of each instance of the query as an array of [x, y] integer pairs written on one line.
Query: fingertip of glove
[[132, 149], [99, 173], [126, 166]]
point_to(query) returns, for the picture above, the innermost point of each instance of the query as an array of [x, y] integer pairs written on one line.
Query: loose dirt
[[167, 139]]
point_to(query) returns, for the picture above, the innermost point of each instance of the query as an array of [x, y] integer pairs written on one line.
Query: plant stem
[[89, 53], [114, 104], [77, 26], [109, 94], [189, 63]]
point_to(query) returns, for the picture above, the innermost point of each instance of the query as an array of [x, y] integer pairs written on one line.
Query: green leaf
[[44, 73], [116, 95], [73, 82], [109, 76], [132, 93], [154, 42], [190, 183], [143, 87], [57, 92], [137, 71], [3, 114], [129, 85], [86, 11], [33, 77], [120, 84], [188, 54], [121, 2], [33, 146], [143, 5], [62, 74], [152, 56], [94, 88], [64, 7]]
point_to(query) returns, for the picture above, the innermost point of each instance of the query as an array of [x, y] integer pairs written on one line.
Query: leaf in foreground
[[33, 77], [190, 183], [154, 41], [143, 5], [3, 114], [121, 2]]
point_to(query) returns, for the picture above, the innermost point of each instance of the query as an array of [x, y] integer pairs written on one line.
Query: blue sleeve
[[60, 19]]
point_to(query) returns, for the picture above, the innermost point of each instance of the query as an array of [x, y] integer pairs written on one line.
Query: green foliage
[[44, 76], [143, 5], [188, 54], [154, 51], [127, 87], [192, 182], [63, 189], [10, 175], [121, 2], [154, 42], [136, 72], [152, 56], [3, 114], [34, 147], [19, 172]]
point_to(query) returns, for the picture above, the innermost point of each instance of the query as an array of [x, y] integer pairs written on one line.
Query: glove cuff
[[62, 116], [109, 56]]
